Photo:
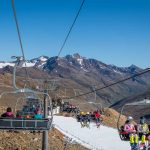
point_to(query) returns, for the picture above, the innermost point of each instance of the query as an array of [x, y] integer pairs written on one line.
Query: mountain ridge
[[78, 72], [75, 56]]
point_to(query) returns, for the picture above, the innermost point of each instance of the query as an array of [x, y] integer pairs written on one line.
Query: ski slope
[[103, 138]]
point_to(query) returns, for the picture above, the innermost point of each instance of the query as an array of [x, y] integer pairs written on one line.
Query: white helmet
[[130, 118]]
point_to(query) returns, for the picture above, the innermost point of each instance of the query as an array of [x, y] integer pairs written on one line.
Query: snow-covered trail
[[103, 138]]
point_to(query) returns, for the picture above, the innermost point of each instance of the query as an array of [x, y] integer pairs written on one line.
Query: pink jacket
[[129, 128]]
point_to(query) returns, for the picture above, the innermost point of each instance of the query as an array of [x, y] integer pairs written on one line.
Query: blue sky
[[113, 31]]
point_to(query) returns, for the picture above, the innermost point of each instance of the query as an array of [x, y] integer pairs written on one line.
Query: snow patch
[[80, 60], [2, 65], [28, 64], [103, 138], [116, 71], [42, 58], [84, 69], [41, 65]]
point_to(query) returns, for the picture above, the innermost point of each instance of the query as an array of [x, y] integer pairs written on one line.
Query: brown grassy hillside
[[32, 141]]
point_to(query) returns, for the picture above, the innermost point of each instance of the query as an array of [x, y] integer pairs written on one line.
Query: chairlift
[[26, 123], [122, 134], [69, 107]]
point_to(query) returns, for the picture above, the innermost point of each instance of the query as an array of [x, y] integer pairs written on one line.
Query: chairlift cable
[[71, 27], [96, 85], [19, 37], [120, 81], [70, 30]]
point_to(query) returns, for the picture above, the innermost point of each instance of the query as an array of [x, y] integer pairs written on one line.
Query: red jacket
[[97, 115]]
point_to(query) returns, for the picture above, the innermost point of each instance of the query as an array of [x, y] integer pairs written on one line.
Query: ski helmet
[[82, 113], [130, 118]]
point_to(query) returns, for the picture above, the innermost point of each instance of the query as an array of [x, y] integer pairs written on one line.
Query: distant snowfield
[[103, 138], [2, 65], [27, 64]]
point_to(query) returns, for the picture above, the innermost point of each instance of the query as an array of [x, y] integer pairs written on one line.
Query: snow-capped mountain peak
[[40, 59], [74, 62], [43, 58]]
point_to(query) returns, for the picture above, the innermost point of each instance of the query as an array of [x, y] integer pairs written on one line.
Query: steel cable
[[19, 37]]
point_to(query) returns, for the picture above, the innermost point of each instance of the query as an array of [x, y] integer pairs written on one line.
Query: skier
[[143, 130], [130, 128], [87, 119], [97, 118], [82, 118]]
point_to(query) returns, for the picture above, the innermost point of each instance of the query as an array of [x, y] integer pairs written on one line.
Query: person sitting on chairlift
[[88, 117], [38, 114], [18, 114], [130, 128], [143, 130], [8, 113]]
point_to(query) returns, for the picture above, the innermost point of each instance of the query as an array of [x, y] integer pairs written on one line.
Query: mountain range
[[76, 74]]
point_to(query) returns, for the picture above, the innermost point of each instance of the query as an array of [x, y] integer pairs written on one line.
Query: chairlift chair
[[24, 123], [70, 108], [122, 134]]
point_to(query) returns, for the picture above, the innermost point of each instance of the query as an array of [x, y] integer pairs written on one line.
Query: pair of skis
[[98, 124], [85, 124]]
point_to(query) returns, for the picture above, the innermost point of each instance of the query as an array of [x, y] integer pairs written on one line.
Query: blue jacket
[[38, 116]]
